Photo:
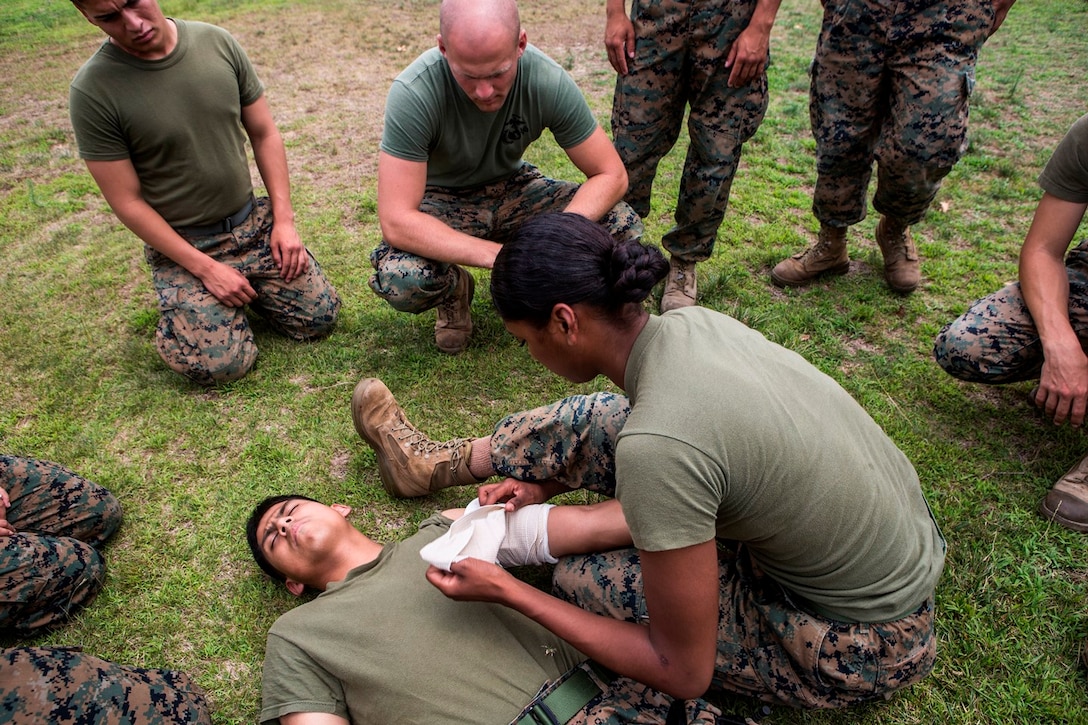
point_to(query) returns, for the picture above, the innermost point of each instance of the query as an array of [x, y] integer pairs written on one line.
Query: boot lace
[[448, 307], [897, 243], [413, 439], [817, 251]]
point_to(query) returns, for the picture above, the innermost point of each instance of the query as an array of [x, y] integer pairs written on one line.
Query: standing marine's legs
[[681, 48], [648, 103], [847, 106], [931, 75], [648, 110], [720, 120]]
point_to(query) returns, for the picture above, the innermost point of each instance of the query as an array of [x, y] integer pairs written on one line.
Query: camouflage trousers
[[208, 342], [769, 647], [62, 686], [891, 83], [410, 283], [51, 567], [623, 701], [996, 340], [680, 52], [572, 441]]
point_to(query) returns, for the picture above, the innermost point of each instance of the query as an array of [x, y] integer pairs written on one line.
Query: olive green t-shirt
[[178, 119], [428, 117], [1066, 174], [383, 646], [731, 436]]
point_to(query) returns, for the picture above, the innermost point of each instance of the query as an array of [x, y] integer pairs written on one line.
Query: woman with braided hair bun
[[783, 547], [563, 259]]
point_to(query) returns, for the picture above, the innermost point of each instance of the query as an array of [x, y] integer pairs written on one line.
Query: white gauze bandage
[[490, 534], [526, 539]]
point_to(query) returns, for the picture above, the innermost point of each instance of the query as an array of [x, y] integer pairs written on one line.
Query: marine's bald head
[[472, 23]]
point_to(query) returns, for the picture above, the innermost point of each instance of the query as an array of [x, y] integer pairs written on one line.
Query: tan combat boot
[[1067, 502], [453, 327], [902, 270], [679, 285], [827, 256], [410, 463]]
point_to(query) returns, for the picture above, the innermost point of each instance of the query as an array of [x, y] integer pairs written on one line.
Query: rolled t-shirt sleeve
[[1066, 174], [98, 132], [294, 682], [669, 491], [250, 87], [573, 121], [407, 130]]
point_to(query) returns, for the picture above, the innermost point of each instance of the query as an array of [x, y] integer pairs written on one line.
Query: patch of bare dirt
[[326, 69], [338, 466]]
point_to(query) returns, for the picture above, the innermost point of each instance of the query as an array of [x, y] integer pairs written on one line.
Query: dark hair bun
[[565, 258], [635, 269]]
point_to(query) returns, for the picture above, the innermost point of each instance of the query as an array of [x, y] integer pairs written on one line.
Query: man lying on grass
[[380, 644]]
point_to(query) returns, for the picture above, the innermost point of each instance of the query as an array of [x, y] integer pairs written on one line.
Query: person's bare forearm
[[401, 188], [121, 188], [1044, 281], [147, 224], [429, 237], [1045, 286], [1001, 11], [585, 529], [597, 195], [271, 158], [606, 177], [625, 647]]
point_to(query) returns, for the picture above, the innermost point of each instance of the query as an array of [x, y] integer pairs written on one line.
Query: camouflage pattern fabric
[[768, 646], [209, 342], [572, 441], [410, 283], [50, 567], [996, 340], [625, 701], [62, 686], [891, 83], [680, 52]]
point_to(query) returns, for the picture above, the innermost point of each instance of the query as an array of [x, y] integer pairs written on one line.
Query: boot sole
[[830, 271], [1061, 520], [453, 350], [900, 290]]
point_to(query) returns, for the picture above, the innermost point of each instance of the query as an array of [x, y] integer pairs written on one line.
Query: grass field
[[81, 383]]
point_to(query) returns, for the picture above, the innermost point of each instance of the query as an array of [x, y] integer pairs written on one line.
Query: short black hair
[[252, 535]]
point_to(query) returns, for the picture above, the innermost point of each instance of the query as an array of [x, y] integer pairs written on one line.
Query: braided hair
[[565, 258]]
